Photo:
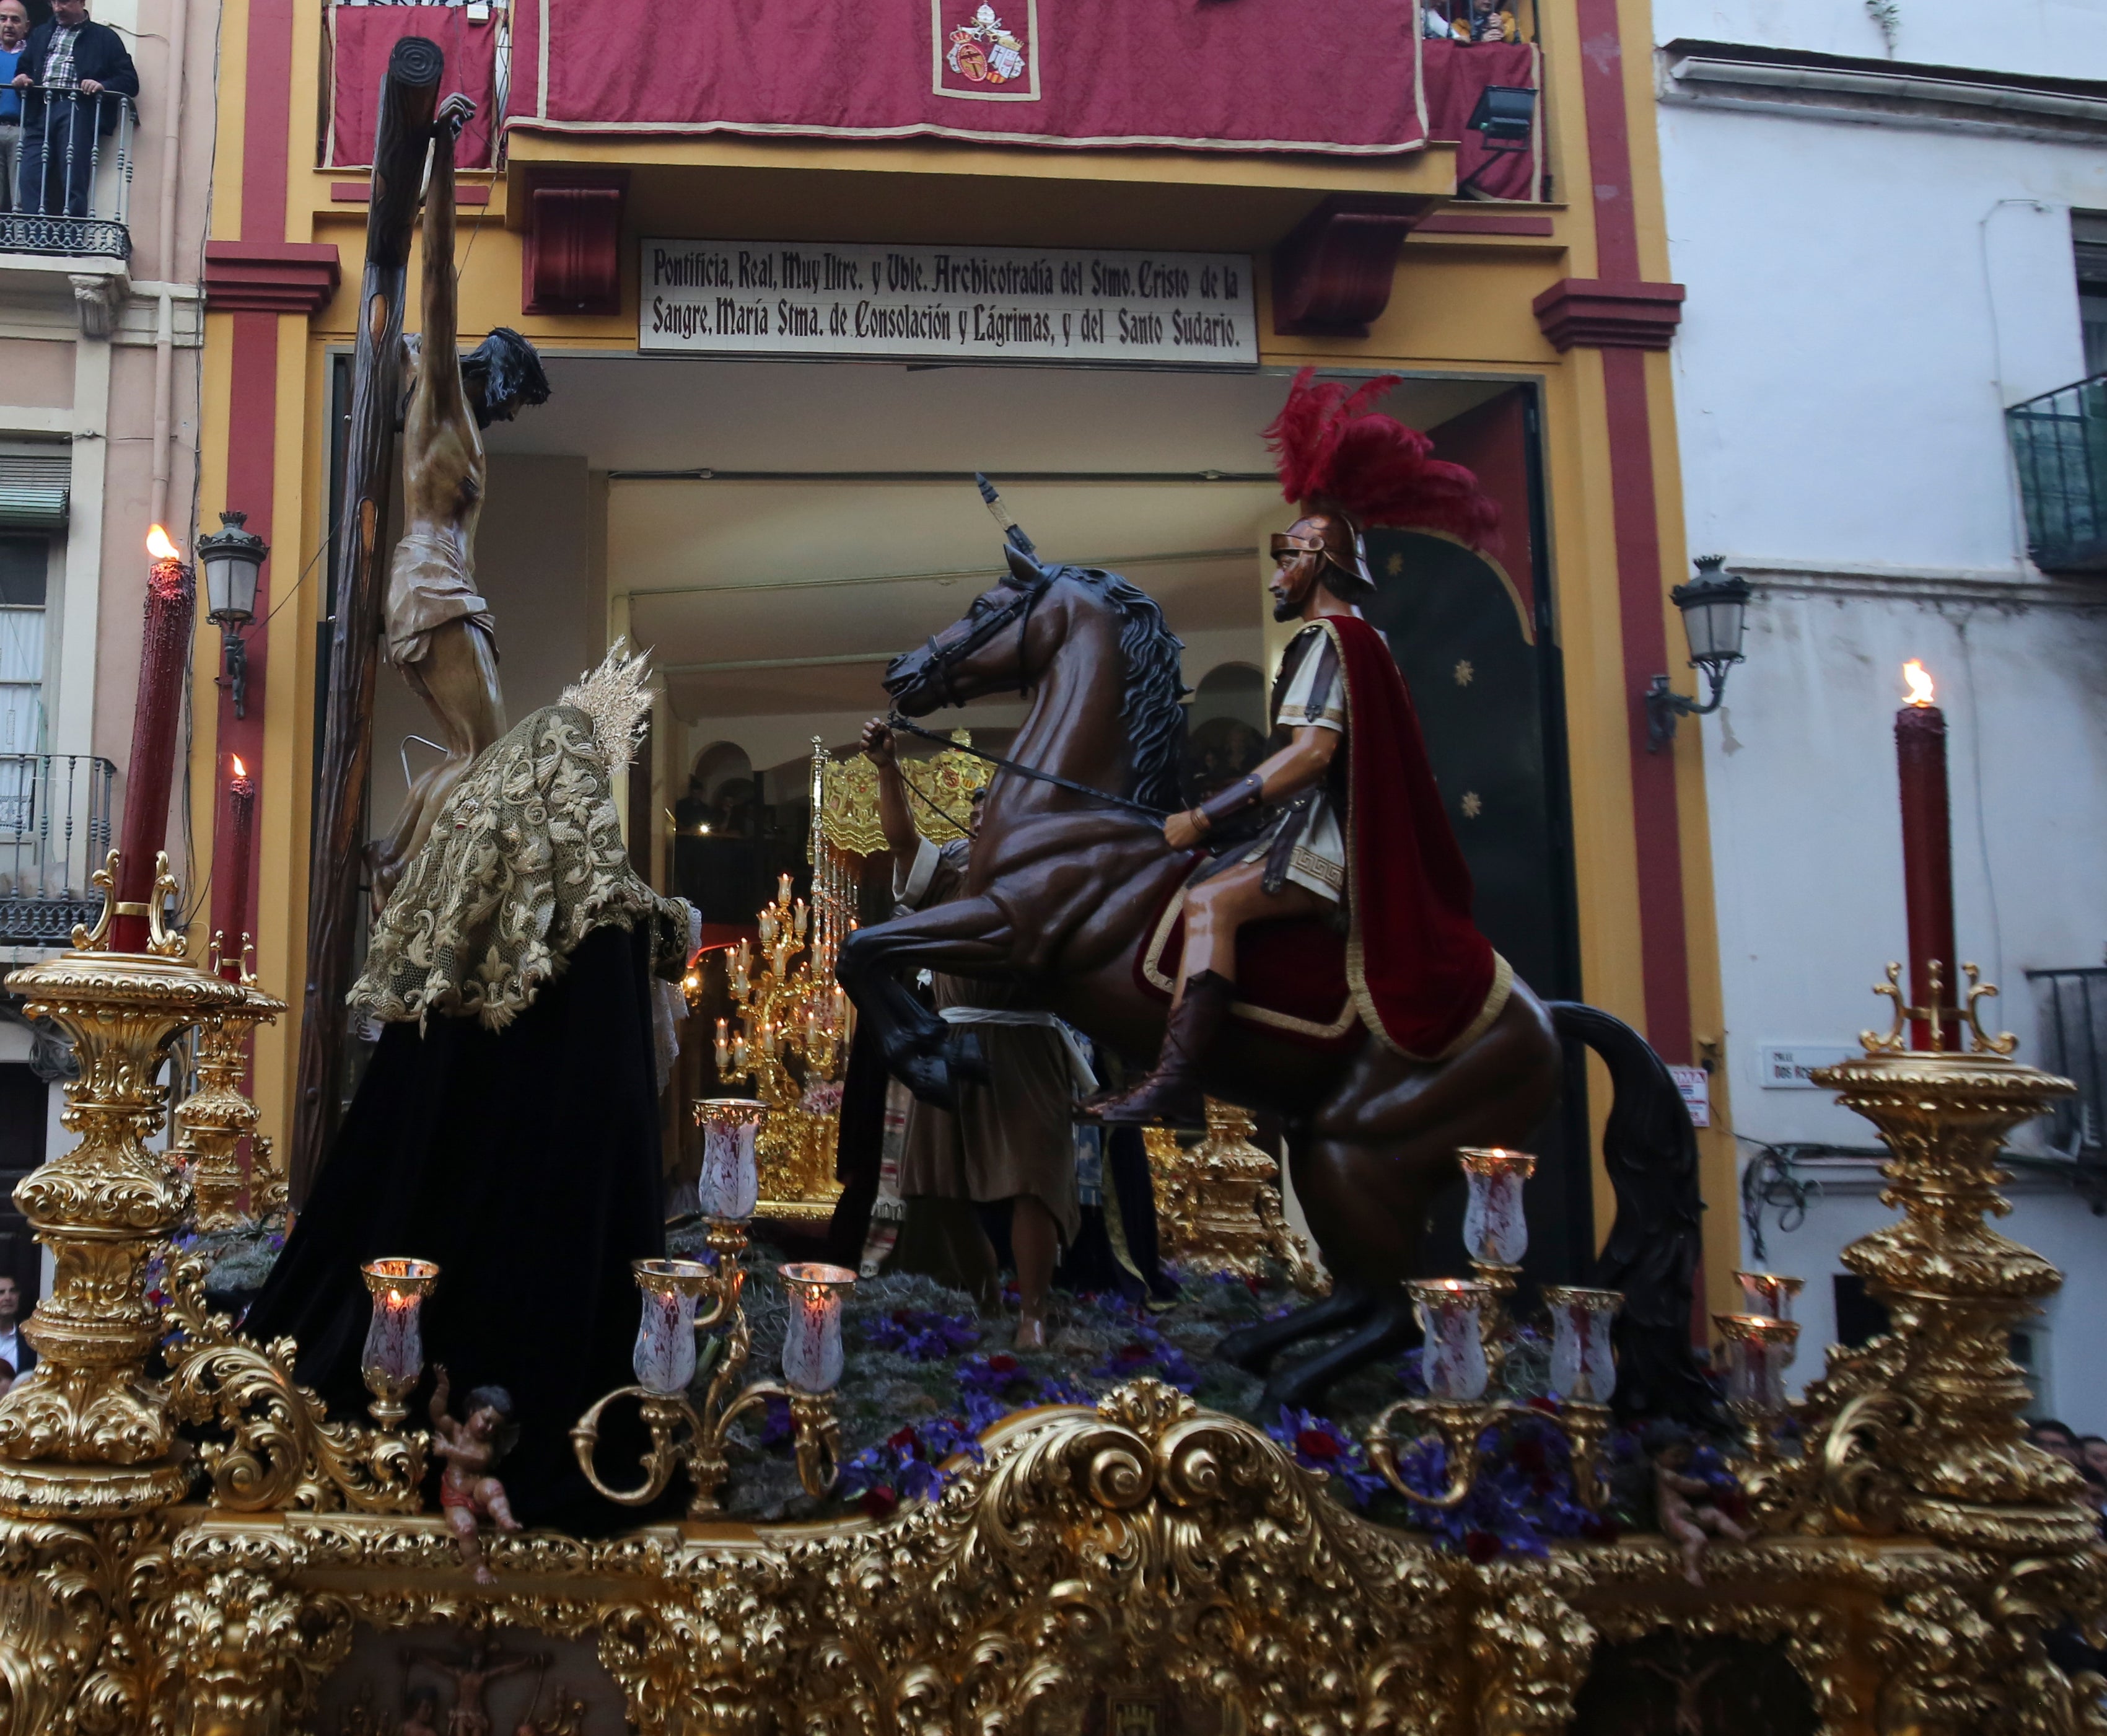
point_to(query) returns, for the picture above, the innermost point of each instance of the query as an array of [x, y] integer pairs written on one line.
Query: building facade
[[775, 506], [1885, 426], [101, 333]]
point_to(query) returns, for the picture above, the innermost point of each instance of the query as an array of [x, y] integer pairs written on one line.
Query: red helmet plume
[[1334, 453]]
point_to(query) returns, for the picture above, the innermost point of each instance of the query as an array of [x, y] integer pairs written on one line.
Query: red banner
[[1341, 78], [361, 39]]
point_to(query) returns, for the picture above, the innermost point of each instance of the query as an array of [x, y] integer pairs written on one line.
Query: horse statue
[[1069, 879]]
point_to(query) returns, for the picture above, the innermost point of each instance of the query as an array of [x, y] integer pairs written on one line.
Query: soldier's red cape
[[1425, 980]]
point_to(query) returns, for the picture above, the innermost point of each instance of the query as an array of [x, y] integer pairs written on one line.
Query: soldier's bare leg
[[1034, 1243]]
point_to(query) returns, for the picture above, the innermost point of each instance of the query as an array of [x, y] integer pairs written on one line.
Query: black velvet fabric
[[527, 1163]]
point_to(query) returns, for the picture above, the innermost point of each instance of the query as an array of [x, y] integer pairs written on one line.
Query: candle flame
[[1920, 682], [240, 770], [159, 545]]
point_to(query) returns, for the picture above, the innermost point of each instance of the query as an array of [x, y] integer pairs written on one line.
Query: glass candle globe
[[729, 1184], [812, 1357], [1495, 1233], [394, 1357], [1453, 1358], [1583, 1368], [1768, 1294], [664, 1359]]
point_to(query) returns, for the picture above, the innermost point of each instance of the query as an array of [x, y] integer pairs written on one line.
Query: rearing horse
[[1061, 892]]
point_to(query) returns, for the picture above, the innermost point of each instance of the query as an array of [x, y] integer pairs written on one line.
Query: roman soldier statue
[[1344, 822]]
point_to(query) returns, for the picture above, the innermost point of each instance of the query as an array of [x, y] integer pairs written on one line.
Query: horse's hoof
[[1250, 1348], [966, 1059], [929, 1077]]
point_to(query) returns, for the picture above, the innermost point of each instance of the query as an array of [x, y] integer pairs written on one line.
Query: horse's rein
[[894, 721]]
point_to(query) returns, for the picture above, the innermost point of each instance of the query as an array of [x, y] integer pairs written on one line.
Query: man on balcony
[[14, 37], [73, 77]]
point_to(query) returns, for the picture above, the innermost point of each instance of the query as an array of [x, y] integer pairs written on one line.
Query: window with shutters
[[24, 569]]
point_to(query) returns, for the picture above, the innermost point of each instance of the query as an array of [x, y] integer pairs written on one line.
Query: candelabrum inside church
[[948, 867]]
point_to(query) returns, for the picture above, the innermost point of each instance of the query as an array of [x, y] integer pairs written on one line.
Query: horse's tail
[[1649, 1150]]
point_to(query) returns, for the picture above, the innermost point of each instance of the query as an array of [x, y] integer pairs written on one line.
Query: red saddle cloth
[[1291, 976]]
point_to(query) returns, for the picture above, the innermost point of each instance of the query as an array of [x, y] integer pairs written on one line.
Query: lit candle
[[241, 829], [724, 1046], [812, 1337], [394, 1357], [664, 1358], [1584, 1366], [729, 1187], [1495, 1232], [1767, 1295], [156, 730], [783, 889], [1452, 1357], [1758, 1350], [1927, 855]]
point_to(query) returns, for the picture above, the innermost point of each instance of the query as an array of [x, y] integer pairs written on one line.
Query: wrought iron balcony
[[2073, 1007], [54, 830], [73, 194], [2060, 444]]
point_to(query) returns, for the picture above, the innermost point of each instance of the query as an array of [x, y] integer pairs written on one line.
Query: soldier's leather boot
[[1171, 1096]]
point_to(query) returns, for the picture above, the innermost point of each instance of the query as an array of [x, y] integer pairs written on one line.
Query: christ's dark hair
[[503, 370]]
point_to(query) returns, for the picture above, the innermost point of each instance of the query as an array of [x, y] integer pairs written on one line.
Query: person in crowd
[[14, 37], [1489, 24], [2058, 1438], [1434, 26], [2092, 1453], [15, 1350], [71, 79], [1010, 1138]]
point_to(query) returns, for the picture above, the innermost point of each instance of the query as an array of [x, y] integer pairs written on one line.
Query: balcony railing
[[55, 831], [73, 191], [2060, 444]]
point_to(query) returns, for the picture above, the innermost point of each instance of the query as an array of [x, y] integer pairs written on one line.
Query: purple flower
[[1320, 1444], [908, 1462], [921, 1335]]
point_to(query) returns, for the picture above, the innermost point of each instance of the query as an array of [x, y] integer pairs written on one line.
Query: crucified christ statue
[[440, 632]]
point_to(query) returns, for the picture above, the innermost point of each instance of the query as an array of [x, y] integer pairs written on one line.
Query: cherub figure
[[1688, 1508], [423, 1717], [471, 1448]]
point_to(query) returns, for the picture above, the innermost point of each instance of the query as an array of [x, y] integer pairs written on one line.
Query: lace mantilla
[[525, 860]]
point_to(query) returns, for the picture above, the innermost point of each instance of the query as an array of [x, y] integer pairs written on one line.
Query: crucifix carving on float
[[439, 631]]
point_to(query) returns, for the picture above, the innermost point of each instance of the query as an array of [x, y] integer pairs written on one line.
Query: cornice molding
[[1609, 313], [1969, 587], [270, 277]]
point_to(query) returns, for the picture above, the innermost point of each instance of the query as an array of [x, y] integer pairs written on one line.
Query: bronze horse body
[[1061, 892]]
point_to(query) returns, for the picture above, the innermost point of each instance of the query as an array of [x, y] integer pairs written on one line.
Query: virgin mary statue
[[508, 1124]]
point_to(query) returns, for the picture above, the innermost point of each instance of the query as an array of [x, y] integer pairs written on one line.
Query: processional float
[[190, 1541]]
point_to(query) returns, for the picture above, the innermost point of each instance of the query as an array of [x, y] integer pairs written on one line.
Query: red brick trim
[[1608, 313], [270, 277], [1471, 223]]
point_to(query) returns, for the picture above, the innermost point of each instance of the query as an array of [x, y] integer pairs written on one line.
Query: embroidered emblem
[[981, 53]]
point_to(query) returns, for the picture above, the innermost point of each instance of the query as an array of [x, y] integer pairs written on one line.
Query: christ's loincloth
[[428, 586]]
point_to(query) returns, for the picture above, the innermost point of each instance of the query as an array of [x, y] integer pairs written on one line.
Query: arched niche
[[1225, 727]]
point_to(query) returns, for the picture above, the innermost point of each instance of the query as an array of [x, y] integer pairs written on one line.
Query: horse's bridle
[[943, 657]]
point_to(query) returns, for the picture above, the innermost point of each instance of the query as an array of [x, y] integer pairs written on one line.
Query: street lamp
[[231, 560], [1715, 606]]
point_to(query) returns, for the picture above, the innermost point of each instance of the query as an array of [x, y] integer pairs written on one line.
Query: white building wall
[[1866, 296]]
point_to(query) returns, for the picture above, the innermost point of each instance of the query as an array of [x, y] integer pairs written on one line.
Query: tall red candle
[[241, 829], [1927, 856], [156, 728]]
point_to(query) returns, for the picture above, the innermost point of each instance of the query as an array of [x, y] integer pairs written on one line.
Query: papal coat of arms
[[981, 54]]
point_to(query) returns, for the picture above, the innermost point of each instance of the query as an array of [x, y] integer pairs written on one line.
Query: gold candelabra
[[211, 1123], [690, 1435], [1458, 1363], [790, 1010]]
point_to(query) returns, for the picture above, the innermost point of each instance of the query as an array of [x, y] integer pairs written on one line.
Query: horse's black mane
[[1154, 718]]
